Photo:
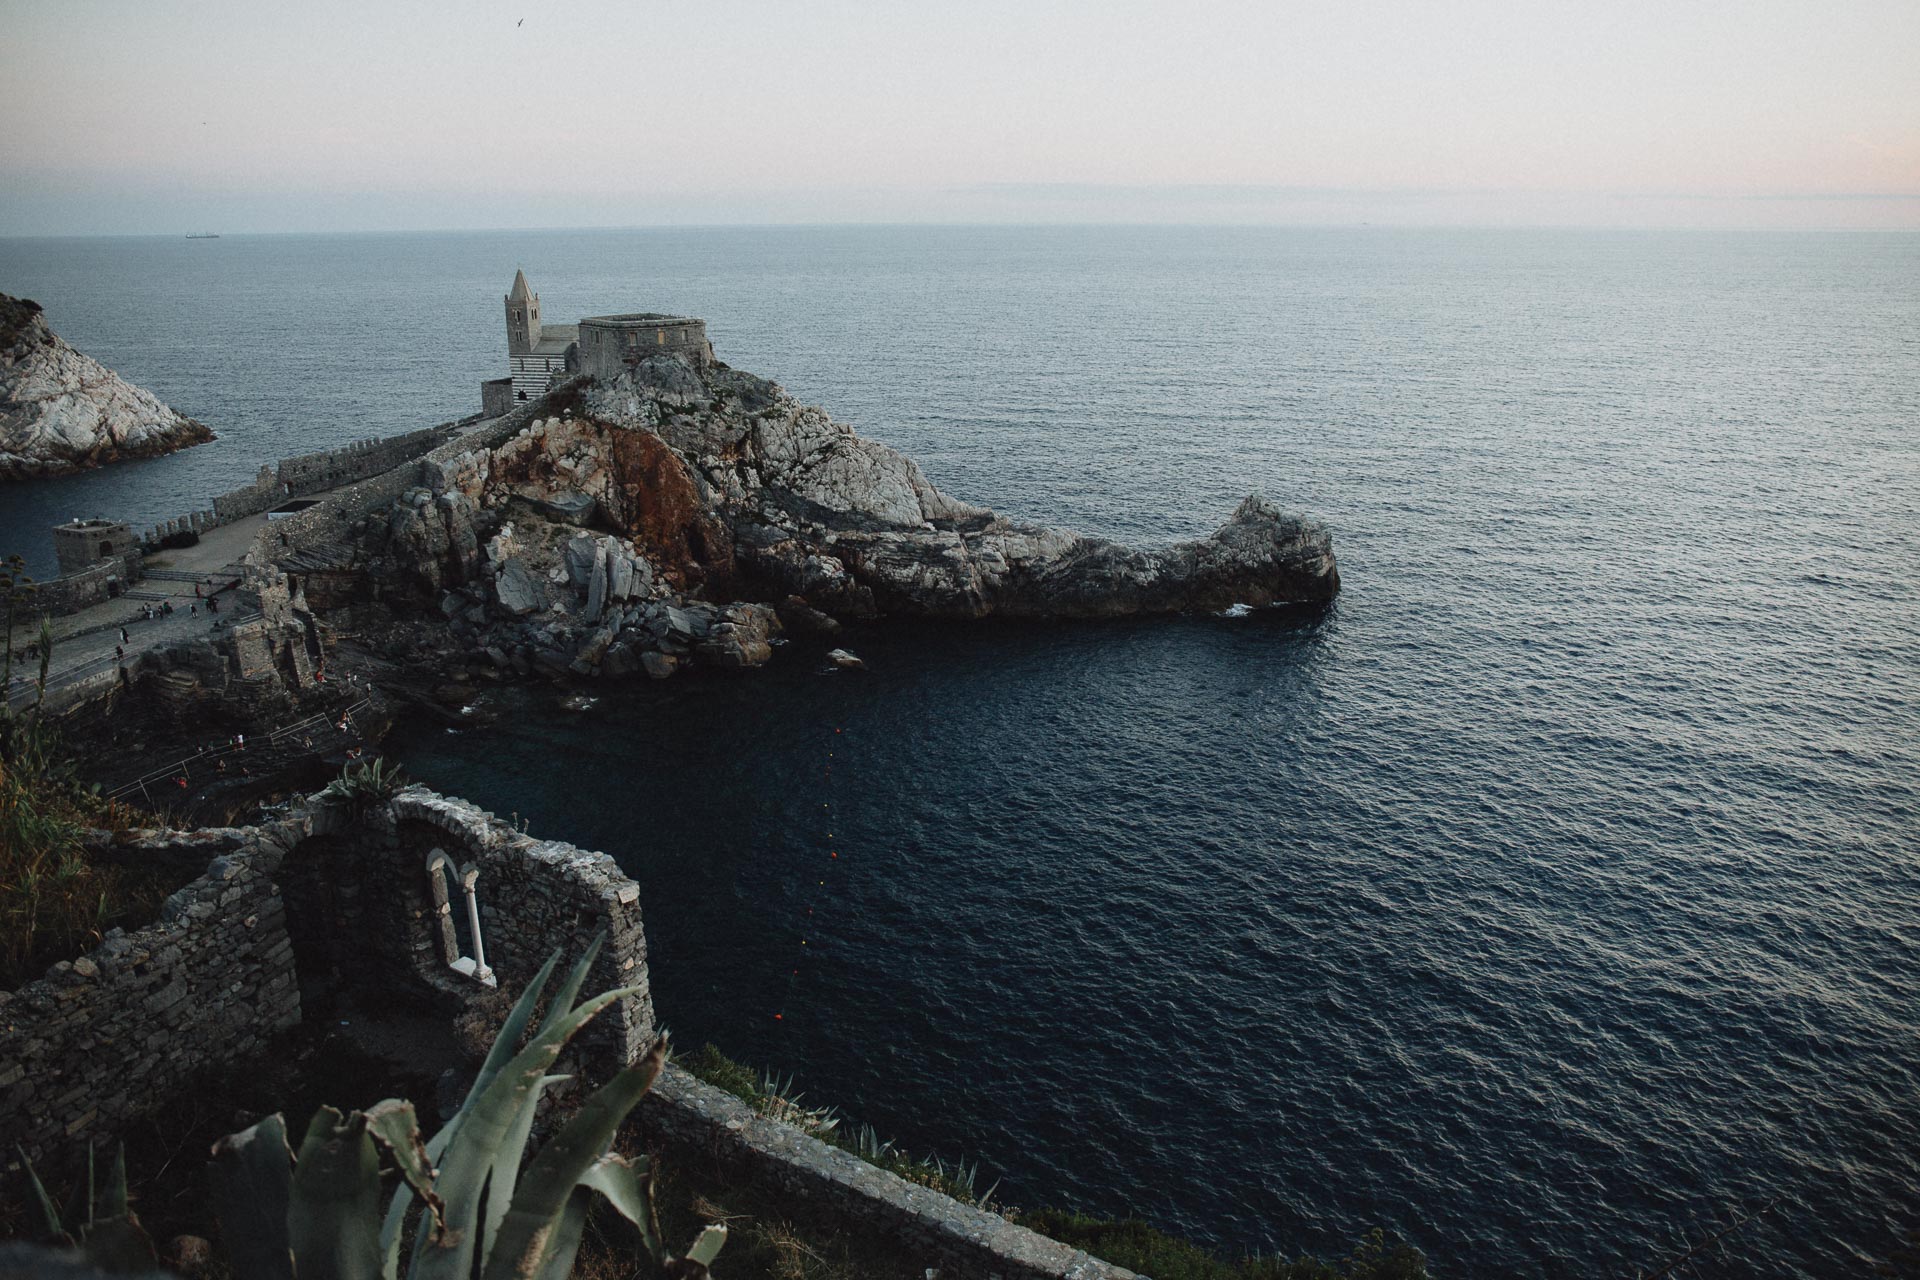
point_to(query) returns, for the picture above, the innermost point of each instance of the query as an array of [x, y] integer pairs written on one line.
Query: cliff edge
[[63, 411]]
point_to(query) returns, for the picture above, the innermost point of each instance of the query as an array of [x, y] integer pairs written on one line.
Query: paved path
[[84, 642]]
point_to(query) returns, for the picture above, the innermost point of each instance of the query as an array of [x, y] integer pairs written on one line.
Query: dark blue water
[[1550, 899]]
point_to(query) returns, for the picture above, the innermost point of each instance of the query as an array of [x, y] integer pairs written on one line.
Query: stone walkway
[[84, 642]]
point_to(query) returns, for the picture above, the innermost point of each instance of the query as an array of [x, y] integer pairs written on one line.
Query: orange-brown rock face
[[655, 499]]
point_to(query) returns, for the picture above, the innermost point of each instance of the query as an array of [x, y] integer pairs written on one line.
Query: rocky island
[[683, 512], [61, 410]]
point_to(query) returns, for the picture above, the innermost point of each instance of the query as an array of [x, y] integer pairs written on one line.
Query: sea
[[1550, 901]]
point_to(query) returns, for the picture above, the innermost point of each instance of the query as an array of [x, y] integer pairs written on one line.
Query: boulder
[[515, 590]]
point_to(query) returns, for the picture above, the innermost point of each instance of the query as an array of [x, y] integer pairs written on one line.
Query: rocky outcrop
[[648, 525], [63, 411]]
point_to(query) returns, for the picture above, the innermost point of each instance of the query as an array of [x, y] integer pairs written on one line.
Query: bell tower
[[523, 317]]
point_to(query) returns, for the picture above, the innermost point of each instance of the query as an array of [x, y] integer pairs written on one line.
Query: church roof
[[520, 291], [556, 338]]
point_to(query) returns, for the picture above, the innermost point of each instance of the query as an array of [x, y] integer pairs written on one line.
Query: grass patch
[[776, 1099]]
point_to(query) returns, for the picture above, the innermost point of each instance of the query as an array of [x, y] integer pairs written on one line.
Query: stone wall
[[536, 895], [836, 1188], [325, 903], [311, 473], [101, 1039], [332, 520], [72, 592], [608, 344]]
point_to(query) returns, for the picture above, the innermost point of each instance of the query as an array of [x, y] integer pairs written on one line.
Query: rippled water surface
[[1549, 899]]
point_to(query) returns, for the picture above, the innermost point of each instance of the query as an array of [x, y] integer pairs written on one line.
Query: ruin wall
[[102, 1039]]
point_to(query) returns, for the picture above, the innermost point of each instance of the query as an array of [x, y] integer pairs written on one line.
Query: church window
[[458, 926]]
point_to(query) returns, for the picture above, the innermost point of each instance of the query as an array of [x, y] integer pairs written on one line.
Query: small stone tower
[[523, 317]]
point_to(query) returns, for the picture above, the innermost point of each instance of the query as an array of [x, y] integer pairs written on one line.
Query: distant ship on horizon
[[203, 235]]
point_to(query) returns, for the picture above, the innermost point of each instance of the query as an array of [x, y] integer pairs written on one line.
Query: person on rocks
[[193, 611], [124, 637], [119, 654]]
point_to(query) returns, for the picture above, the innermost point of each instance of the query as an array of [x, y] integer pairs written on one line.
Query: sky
[[167, 116]]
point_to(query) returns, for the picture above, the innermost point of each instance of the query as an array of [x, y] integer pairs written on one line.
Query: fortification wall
[[311, 473], [608, 344], [73, 592], [332, 520], [103, 1039]]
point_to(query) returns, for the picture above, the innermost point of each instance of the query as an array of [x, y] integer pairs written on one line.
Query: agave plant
[[110, 1237], [319, 1216], [362, 786]]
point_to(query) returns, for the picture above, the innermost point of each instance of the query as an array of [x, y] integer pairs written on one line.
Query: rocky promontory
[[64, 411], [686, 514]]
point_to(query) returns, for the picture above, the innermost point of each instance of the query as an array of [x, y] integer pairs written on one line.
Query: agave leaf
[[565, 1242], [506, 1044], [487, 1117], [507, 1157], [569, 991], [47, 1211], [498, 1054], [520, 1248], [628, 1187], [707, 1247], [506, 1160], [119, 1246], [336, 1197], [395, 1127], [252, 1176], [117, 1183]]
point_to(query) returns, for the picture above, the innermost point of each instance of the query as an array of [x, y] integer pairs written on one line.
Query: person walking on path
[[124, 638]]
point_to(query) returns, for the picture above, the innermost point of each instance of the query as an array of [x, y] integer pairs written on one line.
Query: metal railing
[[210, 757]]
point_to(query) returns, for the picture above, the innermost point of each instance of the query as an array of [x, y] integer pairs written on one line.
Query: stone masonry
[[97, 1041]]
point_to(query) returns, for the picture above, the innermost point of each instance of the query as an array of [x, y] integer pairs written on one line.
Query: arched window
[[464, 951]]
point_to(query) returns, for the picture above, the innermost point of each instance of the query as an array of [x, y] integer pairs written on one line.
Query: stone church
[[539, 353]]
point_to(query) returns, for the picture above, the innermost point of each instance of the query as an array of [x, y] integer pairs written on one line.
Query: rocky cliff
[[685, 515], [63, 411]]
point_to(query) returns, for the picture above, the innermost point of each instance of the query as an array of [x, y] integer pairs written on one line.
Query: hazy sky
[[264, 115]]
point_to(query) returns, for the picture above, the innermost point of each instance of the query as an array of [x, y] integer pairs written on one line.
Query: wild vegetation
[[55, 900], [775, 1097]]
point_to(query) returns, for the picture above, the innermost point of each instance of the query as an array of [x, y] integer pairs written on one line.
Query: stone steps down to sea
[[63, 411], [684, 514]]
